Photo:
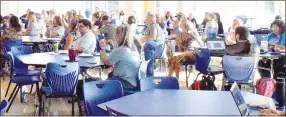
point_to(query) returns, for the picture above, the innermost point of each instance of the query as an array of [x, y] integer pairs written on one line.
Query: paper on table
[[63, 51], [85, 55]]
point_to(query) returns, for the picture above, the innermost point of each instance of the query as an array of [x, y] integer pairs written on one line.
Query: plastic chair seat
[[26, 80], [27, 72], [128, 92], [215, 70], [47, 91]]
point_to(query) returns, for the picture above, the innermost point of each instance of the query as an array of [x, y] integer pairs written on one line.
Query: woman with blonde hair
[[184, 42], [230, 39], [33, 28], [124, 59]]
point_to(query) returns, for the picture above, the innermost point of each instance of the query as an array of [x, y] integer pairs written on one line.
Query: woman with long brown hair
[[184, 42]]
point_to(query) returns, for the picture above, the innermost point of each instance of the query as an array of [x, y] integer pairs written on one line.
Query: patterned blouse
[[13, 34]]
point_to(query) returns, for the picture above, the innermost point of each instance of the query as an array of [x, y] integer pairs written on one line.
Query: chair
[[239, 69], [141, 74], [159, 55], [188, 72], [8, 43], [260, 37], [3, 107], [96, 92], [62, 81], [19, 67], [202, 61], [159, 83], [20, 81], [112, 112]]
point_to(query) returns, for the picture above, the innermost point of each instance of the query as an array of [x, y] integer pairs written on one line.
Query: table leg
[[272, 70]]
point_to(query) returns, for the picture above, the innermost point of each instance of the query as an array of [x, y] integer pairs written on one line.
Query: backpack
[[207, 83], [265, 86]]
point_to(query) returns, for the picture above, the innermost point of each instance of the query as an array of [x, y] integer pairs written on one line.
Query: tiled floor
[[62, 107]]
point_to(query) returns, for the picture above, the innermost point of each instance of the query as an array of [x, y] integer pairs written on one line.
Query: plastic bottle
[[211, 29]]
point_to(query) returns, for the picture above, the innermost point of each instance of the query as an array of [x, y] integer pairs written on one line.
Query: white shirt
[[87, 42]]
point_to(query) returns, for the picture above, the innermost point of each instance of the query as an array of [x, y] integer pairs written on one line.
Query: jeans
[[125, 84], [149, 51]]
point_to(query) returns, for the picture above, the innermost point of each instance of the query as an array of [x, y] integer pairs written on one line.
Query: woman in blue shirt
[[277, 43], [124, 59], [277, 36]]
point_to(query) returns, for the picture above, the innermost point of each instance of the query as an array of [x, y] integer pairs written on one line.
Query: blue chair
[[20, 81], [202, 60], [239, 69], [8, 43], [141, 74], [19, 67], [62, 81], [260, 37], [3, 107], [159, 55], [159, 83], [97, 92]]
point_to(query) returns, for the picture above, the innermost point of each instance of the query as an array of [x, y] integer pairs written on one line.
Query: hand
[[268, 112], [279, 48], [102, 44]]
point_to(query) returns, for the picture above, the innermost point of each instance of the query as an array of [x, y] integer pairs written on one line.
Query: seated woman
[[183, 44], [277, 43], [57, 30], [133, 27], [13, 33], [229, 40], [33, 27], [71, 36], [242, 46], [124, 59]]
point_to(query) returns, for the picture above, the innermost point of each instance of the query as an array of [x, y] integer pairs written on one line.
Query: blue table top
[[175, 102], [42, 59]]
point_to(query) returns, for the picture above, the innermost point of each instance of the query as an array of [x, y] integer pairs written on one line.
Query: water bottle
[[56, 47], [212, 29], [264, 45]]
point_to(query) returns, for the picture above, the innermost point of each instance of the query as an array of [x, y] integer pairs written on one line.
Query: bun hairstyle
[[96, 15], [131, 20]]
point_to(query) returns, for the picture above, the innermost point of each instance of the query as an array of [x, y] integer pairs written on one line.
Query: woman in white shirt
[[33, 28], [57, 30]]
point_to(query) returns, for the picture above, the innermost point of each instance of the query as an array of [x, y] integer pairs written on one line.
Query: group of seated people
[[86, 36]]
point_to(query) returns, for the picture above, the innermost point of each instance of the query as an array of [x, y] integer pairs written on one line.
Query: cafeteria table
[[38, 39], [182, 102], [175, 102]]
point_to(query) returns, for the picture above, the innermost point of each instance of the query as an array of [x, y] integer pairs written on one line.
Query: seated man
[[109, 30], [242, 44], [87, 42]]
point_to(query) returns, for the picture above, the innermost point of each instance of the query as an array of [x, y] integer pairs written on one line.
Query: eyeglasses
[[81, 26]]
